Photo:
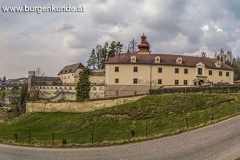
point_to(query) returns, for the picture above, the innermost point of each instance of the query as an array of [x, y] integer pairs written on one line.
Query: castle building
[[129, 74]]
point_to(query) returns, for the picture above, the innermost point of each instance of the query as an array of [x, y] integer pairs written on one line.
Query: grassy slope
[[163, 114]]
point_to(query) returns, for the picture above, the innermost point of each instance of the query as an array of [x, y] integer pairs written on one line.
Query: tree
[[3, 97], [104, 55], [203, 54], [132, 47], [115, 48], [4, 79], [83, 85], [149, 46], [92, 61], [98, 56], [37, 82], [112, 49]]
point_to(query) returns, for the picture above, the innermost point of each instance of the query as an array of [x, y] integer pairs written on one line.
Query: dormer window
[[65, 71], [133, 59], [157, 59], [179, 60], [218, 64], [70, 70]]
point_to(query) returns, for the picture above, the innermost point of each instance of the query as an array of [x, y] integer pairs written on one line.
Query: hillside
[[149, 117]]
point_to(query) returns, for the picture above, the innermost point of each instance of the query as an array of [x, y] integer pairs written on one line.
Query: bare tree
[[37, 81], [132, 47], [203, 54]]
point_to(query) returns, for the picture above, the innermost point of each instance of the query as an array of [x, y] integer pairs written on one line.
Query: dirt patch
[[119, 116]]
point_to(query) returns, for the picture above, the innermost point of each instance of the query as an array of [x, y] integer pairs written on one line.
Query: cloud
[[63, 27]]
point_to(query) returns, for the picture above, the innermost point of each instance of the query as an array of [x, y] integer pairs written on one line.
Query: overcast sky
[[52, 40]]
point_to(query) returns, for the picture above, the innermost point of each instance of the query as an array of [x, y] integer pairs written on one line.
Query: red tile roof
[[71, 68], [166, 59]]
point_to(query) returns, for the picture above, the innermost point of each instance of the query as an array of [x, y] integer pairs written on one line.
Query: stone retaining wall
[[85, 106]]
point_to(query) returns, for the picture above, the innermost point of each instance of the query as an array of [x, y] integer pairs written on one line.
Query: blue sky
[[53, 40]]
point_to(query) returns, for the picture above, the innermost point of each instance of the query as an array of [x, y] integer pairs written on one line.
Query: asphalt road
[[219, 141]]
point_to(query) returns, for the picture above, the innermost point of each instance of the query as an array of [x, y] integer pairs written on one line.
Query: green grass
[[163, 115], [7, 92]]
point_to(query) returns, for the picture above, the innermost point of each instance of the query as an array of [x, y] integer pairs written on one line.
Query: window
[[135, 69], [185, 71], [176, 70], [116, 80], [116, 69], [133, 59], [179, 60], [176, 82], [157, 59], [184, 82], [220, 73], [200, 71], [159, 81], [159, 70], [135, 81], [227, 74], [195, 83], [210, 72]]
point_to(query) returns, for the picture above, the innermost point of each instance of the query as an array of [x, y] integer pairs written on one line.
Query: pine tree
[[104, 55], [98, 56], [92, 61], [83, 85], [112, 49]]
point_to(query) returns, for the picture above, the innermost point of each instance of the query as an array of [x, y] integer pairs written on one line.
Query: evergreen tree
[[149, 46], [112, 49], [23, 99], [104, 55], [92, 61], [83, 85], [98, 56], [118, 48]]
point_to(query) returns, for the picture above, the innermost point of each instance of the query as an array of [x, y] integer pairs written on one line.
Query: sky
[[52, 40]]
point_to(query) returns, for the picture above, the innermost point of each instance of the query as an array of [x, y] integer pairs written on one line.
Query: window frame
[[159, 81], [176, 70], [135, 81], [185, 70], [210, 71], [185, 82], [220, 73], [176, 82], [200, 71], [116, 69], [135, 69], [159, 69], [227, 74], [117, 80]]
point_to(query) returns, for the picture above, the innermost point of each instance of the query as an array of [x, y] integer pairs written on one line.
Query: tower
[[144, 46]]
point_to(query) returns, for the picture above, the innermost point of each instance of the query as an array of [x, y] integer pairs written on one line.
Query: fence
[[223, 89]]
